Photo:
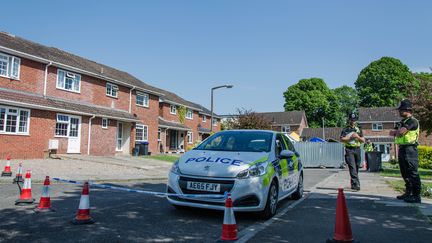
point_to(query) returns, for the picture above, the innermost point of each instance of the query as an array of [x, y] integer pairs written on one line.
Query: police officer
[[352, 137], [407, 133]]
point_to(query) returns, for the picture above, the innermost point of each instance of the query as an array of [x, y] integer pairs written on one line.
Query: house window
[[189, 114], [377, 126], [142, 99], [68, 81], [215, 122], [285, 129], [111, 90], [204, 119], [9, 66], [141, 133], [173, 109], [105, 123], [189, 137], [159, 134], [62, 125], [14, 120]]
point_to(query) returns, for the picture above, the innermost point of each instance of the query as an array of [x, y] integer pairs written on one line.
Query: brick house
[[52, 99], [176, 136], [286, 121], [330, 133]]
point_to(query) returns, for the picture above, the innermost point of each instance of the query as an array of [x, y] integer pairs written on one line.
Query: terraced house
[[52, 100]]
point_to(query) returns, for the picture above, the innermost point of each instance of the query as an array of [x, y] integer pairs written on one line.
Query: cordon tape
[[162, 194]]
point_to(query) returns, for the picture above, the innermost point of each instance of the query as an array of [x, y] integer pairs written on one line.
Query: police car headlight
[[254, 170], [175, 168]]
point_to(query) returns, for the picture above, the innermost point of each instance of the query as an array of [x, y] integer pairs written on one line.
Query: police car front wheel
[[272, 202]]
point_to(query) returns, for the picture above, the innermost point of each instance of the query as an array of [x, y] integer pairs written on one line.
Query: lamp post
[[228, 86]]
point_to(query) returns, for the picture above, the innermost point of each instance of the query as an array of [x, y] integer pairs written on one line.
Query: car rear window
[[238, 141]]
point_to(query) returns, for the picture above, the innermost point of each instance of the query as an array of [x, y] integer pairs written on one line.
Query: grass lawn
[[400, 186], [163, 157], [393, 171]]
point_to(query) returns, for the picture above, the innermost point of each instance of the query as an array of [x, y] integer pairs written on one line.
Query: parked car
[[259, 168]]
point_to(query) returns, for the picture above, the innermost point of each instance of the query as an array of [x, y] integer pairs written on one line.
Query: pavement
[[94, 168], [375, 215]]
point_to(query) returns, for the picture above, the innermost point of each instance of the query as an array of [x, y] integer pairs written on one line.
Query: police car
[[259, 168]]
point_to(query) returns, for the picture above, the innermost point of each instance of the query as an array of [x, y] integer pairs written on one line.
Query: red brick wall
[[103, 141], [148, 116], [92, 91], [367, 129], [425, 140], [31, 78], [165, 113]]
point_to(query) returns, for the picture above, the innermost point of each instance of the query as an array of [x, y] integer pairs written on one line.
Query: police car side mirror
[[287, 154]]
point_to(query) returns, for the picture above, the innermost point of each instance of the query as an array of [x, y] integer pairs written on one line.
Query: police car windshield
[[238, 141]]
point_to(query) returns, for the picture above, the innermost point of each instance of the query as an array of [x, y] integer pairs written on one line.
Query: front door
[[119, 145], [74, 138], [173, 139]]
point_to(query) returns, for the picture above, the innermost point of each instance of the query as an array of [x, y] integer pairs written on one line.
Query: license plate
[[203, 186]]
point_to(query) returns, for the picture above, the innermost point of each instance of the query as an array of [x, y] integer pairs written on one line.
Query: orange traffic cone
[[83, 214], [45, 200], [342, 231], [18, 177], [7, 170], [229, 227], [26, 192]]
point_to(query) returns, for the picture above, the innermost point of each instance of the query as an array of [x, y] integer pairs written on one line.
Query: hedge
[[425, 157]]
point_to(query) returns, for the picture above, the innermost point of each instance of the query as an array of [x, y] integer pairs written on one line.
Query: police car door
[[293, 164], [282, 166]]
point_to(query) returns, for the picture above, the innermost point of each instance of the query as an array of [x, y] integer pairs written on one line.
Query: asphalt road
[[120, 216]]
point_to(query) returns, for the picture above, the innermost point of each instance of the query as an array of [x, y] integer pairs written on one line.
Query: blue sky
[[261, 47]]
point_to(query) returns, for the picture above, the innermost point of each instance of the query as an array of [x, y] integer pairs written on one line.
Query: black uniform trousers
[[353, 160], [408, 164]]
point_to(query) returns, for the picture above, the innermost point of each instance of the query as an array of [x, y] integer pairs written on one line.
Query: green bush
[[425, 157]]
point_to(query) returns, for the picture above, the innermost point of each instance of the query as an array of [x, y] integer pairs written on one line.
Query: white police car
[[259, 168]]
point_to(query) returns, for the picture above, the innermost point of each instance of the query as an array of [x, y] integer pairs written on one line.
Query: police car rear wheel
[[299, 192], [272, 201]]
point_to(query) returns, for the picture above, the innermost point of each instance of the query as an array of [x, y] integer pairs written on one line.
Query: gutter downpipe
[[130, 99], [46, 78], [89, 134]]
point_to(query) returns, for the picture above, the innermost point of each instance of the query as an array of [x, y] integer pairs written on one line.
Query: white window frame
[[66, 73], [285, 129], [106, 125], [376, 126], [159, 134], [189, 137], [146, 100], [189, 112], [18, 120], [173, 109], [145, 128], [204, 118], [111, 87], [215, 122], [63, 122], [10, 66]]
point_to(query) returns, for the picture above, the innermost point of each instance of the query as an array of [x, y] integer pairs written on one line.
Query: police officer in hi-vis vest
[[352, 137], [406, 137]]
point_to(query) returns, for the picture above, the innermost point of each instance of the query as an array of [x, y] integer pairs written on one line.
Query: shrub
[[425, 157]]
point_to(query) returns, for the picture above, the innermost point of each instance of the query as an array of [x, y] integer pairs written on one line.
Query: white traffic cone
[[18, 177], [26, 192], [7, 170], [45, 200]]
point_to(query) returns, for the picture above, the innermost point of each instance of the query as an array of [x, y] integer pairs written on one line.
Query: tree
[[248, 119], [348, 100], [316, 99], [384, 83], [422, 101]]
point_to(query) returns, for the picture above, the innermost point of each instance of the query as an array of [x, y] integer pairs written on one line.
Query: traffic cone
[[45, 200], [18, 177], [83, 214], [7, 170], [342, 231], [229, 227], [26, 192]]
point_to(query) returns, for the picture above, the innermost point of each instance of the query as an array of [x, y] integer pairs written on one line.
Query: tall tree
[[384, 83], [348, 100], [422, 101], [315, 98]]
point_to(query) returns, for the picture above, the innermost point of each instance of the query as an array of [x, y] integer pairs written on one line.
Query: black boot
[[405, 195], [413, 199]]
